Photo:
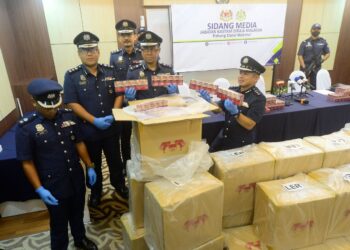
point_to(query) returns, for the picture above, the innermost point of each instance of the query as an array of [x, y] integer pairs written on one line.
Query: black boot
[[85, 244], [95, 199]]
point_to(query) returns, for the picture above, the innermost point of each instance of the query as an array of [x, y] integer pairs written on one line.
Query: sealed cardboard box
[[331, 244], [216, 244], [243, 238], [293, 157], [183, 217], [337, 179], [240, 169], [238, 220], [293, 212], [136, 198], [132, 239], [336, 148]]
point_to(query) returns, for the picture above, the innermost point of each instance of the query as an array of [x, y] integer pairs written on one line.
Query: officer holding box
[[240, 122], [150, 47]]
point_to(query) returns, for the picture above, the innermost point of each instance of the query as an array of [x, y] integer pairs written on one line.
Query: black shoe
[[123, 192], [85, 244], [95, 200]]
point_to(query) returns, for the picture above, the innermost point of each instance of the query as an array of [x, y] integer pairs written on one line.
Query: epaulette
[[116, 51], [134, 67], [107, 66], [165, 65], [26, 120], [72, 70], [138, 50], [66, 110], [256, 91]]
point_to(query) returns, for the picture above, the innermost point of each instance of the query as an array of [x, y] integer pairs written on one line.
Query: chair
[[261, 85], [323, 80], [222, 83], [292, 82]]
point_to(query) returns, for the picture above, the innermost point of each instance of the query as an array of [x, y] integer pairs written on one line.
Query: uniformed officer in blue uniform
[[122, 59], [240, 122], [150, 47], [314, 49], [49, 144], [89, 92]]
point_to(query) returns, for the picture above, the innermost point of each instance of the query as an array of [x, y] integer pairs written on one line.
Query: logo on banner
[[226, 15], [241, 15]]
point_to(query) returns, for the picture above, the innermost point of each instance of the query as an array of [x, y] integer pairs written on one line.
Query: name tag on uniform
[[66, 124]]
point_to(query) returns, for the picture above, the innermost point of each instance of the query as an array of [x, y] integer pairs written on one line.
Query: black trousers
[[221, 143], [110, 147], [125, 135], [69, 210]]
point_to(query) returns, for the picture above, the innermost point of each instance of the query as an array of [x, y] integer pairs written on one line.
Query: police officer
[[121, 60], [49, 144], [150, 47], [240, 122], [89, 92], [312, 53]]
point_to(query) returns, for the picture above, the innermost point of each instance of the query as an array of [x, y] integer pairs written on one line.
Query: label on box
[[293, 146], [339, 141], [346, 176], [293, 187], [237, 153]]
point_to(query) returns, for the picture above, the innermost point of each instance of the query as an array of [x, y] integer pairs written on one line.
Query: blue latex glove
[[92, 176], [230, 107], [205, 95], [130, 93], [172, 89], [103, 122], [46, 196]]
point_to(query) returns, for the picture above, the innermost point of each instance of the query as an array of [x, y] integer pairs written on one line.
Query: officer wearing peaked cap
[[49, 144], [240, 122], [312, 53], [122, 59], [89, 92], [150, 47]]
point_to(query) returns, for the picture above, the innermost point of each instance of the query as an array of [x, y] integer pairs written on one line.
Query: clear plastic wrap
[[346, 129], [133, 239], [243, 238], [216, 244], [336, 148], [178, 169], [240, 169], [293, 157], [338, 179], [136, 198], [183, 217], [331, 244], [293, 212]]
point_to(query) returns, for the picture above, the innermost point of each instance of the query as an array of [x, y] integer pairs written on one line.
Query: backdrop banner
[[211, 37]]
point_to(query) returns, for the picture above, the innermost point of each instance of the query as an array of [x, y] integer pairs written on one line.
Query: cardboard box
[[293, 212], [331, 244], [243, 238], [238, 220], [336, 148], [133, 239], [339, 181], [293, 157], [136, 199], [183, 217], [240, 169], [216, 244]]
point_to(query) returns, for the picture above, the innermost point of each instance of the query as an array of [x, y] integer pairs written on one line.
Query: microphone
[[299, 80]]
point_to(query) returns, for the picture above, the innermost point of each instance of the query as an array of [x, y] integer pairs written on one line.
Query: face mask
[[315, 33]]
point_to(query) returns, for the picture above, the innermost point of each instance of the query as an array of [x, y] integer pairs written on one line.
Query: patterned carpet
[[104, 229]]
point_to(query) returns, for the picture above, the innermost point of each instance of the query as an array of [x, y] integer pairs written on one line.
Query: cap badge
[[245, 60], [125, 24], [86, 37], [148, 36], [51, 96]]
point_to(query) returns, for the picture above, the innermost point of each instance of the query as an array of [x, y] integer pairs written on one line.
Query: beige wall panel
[[333, 15], [169, 2], [105, 51], [332, 39], [98, 18], [7, 102], [63, 19], [312, 13], [65, 57]]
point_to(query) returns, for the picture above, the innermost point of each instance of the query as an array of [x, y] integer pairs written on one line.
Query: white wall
[[67, 18], [7, 103]]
